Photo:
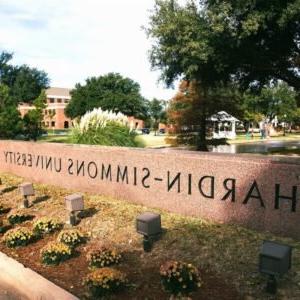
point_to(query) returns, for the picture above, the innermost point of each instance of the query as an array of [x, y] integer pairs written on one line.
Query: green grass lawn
[[152, 141], [159, 141], [241, 138], [54, 138], [143, 140]]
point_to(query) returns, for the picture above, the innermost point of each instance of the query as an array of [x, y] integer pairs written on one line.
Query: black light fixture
[[74, 203], [149, 225], [26, 189], [275, 260]]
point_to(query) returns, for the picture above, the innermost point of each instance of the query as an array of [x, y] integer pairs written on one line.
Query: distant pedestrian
[[261, 129]]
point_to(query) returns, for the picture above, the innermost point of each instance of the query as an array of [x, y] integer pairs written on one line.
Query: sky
[[72, 40]]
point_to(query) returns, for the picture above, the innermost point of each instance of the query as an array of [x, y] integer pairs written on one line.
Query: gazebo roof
[[222, 116]]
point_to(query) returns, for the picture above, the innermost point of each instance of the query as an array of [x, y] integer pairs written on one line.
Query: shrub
[[4, 227], [46, 225], [179, 278], [99, 127], [103, 257], [55, 253], [72, 237], [3, 209], [19, 217], [105, 281], [18, 237]]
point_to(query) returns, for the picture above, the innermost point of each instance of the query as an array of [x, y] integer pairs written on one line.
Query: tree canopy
[[275, 101], [215, 43], [157, 112], [110, 92], [257, 40], [249, 41], [25, 83], [34, 117], [10, 119]]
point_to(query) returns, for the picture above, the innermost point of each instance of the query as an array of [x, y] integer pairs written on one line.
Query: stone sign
[[256, 191]]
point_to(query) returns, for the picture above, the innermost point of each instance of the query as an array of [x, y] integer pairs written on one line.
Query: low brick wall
[[255, 191]]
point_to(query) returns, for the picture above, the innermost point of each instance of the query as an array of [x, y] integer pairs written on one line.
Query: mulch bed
[[110, 222], [144, 283]]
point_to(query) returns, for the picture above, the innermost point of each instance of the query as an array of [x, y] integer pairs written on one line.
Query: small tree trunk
[[201, 142]]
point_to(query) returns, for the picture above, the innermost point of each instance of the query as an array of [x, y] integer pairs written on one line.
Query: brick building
[[54, 114], [135, 123]]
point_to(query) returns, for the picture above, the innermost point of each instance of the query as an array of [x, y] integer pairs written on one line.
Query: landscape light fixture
[[274, 260], [74, 203], [149, 225], [26, 189]]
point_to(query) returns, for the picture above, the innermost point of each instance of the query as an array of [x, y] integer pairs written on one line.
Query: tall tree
[[257, 40], [157, 112], [185, 109], [10, 119], [25, 83], [110, 92], [224, 41], [184, 48], [33, 119], [278, 100]]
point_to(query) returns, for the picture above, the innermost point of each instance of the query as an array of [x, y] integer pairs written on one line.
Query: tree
[[10, 120], [257, 40], [28, 84], [157, 112], [185, 109], [225, 41], [25, 83], [5, 68], [184, 48], [278, 100], [33, 119], [110, 92]]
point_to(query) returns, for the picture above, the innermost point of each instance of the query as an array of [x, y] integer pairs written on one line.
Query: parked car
[[162, 130], [145, 130]]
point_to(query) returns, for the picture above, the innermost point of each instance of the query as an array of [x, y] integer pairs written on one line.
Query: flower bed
[[4, 209], [18, 237], [18, 217], [105, 281], [103, 257], [210, 247], [179, 277], [54, 253], [71, 238], [47, 225]]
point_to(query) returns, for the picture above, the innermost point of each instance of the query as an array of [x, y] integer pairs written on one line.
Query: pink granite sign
[[255, 191]]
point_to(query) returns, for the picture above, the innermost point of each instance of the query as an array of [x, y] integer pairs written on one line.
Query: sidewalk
[[7, 293]]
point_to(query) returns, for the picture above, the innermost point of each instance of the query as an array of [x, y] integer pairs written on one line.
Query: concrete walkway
[[8, 293], [26, 281]]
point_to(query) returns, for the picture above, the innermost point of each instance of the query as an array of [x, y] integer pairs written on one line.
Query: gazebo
[[224, 125]]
